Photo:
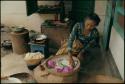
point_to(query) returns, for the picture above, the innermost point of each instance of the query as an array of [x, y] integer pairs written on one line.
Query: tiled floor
[[100, 63]]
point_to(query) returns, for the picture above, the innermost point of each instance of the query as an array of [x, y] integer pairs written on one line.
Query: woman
[[86, 33]]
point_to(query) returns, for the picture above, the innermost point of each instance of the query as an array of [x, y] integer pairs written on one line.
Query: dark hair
[[95, 17]]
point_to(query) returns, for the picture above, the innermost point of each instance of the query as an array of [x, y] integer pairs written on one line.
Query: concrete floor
[[100, 63]]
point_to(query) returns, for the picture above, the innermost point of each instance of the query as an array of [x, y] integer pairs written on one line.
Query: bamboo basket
[[63, 74], [33, 61], [42, 76]]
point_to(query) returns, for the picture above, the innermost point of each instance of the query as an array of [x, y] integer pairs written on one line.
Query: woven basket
[[63, 74], [42, 76], [33, 61]]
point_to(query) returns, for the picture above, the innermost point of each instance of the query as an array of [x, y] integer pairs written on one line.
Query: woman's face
[[89, 24]]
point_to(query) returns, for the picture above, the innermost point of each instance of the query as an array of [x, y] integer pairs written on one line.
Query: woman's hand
[[71, 61], [81, 56]]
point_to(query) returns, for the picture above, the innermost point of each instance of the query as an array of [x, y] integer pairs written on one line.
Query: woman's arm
[[70, 43], [94, 40], [72, 36]]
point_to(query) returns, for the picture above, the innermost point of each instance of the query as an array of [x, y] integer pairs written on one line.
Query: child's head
[[91, 21]]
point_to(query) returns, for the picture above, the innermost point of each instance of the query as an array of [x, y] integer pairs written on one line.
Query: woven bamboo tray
[[54, 72], [33, 61]]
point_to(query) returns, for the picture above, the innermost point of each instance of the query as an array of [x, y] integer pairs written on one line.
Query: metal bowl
[[40, 37]]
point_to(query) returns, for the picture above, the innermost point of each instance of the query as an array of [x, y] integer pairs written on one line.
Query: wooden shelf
[[49, 10]]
